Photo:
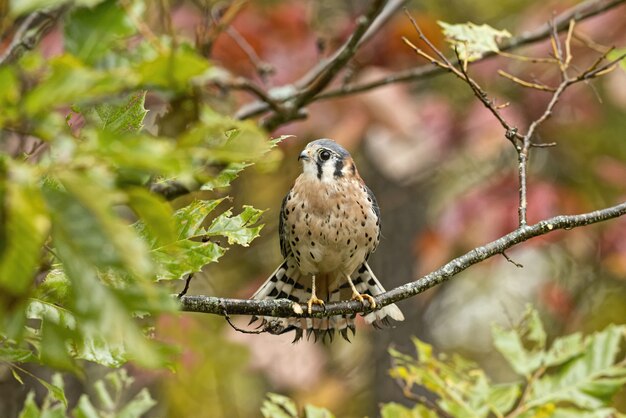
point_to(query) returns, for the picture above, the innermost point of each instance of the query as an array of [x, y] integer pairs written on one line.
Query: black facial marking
[[319, 170], [338, 168]]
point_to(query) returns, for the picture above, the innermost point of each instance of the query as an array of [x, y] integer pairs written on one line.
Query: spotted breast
[[329, 225]]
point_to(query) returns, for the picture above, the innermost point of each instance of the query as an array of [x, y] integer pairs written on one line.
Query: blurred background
[[445, 179]]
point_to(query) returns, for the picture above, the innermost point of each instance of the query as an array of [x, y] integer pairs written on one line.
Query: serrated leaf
[[190, 218], [238, 229], [590, 380], [184, 257], [564, 349], [524, 347], [225, 177], [472, 41], [125, 117], [26, 227], [89, 33], [279, 406]]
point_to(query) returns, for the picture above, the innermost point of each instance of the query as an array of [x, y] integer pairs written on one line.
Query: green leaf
[[85, 409], [26, 228], [564, 349], [577, 413], [138, 406], [9, 95], [279, 406], [190, 218], [311, 411], [617, 53], [90, 227], [174, 69], [10, 352], [590, 380], [90, 33], [472, 41], [20, 7], [126, 117], [225, 177], [238, 229], [523, 348], [502, 398], [156, 218], [184, 257], [30, 409], [395, 410], [134, 156], [70, 81]]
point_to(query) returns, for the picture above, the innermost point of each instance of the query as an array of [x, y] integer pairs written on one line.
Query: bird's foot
[[362, 297], [314, 300]]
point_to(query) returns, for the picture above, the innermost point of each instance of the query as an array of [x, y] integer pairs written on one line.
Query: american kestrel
[[329, 225]]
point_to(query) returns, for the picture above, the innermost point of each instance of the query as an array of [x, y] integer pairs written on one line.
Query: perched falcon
[[329, 225]]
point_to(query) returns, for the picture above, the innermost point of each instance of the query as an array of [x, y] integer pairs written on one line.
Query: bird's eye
[[324, 155]]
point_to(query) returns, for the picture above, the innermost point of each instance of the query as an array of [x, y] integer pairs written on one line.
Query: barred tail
[[365, 281], [288, 283]]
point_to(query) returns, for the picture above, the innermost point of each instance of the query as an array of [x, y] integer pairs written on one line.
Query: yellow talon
[[362, 297], [314, 300]]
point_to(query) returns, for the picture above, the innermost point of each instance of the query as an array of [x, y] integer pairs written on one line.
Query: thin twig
[[186, 288], [236, 328], [461, 72], [580, 12], [327, 71], [510, 260], [284, 307], [263, 69], [520, 408], [525, 83]]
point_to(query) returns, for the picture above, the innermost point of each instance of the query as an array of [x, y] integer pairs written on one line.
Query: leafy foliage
[[108, 400], [574, 376], [279, 406], [84, 239]]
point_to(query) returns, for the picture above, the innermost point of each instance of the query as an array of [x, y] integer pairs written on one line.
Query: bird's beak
[[304, 155]]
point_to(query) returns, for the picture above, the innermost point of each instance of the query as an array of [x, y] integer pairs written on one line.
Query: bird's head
[[327, 161]]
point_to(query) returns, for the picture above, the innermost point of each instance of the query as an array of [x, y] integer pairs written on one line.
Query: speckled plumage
[[329, 225]]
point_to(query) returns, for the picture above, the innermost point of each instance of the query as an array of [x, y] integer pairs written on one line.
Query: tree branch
[[577, 13], [284, 307], [30, 32], [311, 84]]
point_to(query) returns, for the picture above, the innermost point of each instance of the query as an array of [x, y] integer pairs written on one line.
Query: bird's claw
[[314, 300], [361, 298]]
